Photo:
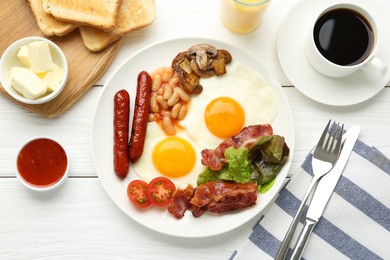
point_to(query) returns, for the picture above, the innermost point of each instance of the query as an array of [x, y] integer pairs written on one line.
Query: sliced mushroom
[[190, 83], [178, 60], [201, 73], [210, 50], [193, 79], [219, 67], [220, 62], [199, 61], [227, 57], [186, 66], [202, 53]]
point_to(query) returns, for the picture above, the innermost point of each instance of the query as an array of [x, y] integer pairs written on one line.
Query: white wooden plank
[[72, 129], [79, 221]]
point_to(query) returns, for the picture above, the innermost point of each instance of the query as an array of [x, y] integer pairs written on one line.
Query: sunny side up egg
[[227, 104], [176, 157]]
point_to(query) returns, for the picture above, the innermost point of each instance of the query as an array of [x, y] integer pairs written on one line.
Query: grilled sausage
[[121, 133], [141, 114]]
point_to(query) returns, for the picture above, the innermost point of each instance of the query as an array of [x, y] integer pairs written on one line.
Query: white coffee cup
[[329, 45]]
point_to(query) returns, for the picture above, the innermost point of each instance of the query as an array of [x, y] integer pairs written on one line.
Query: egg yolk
[[224, 117], [174, 157]]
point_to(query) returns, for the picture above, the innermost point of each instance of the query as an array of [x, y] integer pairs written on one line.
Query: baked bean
[[183, 95], [167, 74], [159, 70], [173, 99], [156, 82], [176, 110], [154, 105], [182, 112], [168, 126], [174, 81], [162, 102], [167, 92]]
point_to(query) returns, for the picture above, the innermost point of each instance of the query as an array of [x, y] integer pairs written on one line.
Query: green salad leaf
[[238, 168], [268, 155], [266, 186], [260, 163]]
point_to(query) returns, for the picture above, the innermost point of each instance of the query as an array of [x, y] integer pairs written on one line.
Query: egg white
[[147, 171], [240, 83]]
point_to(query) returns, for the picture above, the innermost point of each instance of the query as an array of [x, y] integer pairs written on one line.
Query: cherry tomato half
[[137, 193], [160, 191]]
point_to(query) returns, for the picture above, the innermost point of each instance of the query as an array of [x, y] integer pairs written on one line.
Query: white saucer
[[350, 90]]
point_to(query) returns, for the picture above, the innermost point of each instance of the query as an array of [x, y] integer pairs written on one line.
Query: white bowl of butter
[[33, 70]]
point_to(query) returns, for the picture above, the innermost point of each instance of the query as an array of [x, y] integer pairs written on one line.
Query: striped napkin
[[356, 220]]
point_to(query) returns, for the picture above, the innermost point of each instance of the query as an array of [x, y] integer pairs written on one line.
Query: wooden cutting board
[[85, 67]]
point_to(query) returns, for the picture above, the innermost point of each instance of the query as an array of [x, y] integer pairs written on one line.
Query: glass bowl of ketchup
[[42, 164]]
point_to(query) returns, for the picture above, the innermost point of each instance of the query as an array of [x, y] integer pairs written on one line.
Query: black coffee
[[343, 37]]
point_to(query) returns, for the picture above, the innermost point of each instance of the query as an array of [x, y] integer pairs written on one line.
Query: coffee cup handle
[[376, 67]]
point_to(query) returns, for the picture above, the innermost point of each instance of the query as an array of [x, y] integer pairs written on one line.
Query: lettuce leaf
[[206, 176], [261, 163], [268, 155], [238, 168]]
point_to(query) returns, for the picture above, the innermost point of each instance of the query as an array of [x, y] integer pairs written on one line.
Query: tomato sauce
[[42, 162]]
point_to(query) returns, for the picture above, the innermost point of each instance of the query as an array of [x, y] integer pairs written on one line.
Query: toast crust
[[132, 15], [96, 40], [47, 23], [101, 14]]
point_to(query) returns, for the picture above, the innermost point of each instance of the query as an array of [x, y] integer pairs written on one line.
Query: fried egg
[[228, 103], [175, 157]]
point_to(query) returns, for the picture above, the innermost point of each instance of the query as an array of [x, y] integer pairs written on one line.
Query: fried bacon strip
[[214, 196], [215, 159], [181, 201]]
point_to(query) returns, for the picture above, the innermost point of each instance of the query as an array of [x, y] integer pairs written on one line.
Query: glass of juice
[[242, 16]]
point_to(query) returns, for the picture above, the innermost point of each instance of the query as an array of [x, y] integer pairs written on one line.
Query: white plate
[[150, 58], [350, 90]]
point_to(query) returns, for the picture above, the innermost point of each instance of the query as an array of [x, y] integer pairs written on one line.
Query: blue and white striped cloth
[[356, 220]]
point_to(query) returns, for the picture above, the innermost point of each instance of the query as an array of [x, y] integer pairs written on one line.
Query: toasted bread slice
[[96, 40], [100, 14], [47, 23], [132, 15]]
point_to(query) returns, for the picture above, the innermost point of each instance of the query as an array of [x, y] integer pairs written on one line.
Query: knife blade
[[324, 191]]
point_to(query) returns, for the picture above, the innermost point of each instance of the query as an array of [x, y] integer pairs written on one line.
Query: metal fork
[[325, 156]]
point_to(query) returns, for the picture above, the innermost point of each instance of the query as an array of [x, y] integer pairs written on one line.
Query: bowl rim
[[5, 80], [45, 188]]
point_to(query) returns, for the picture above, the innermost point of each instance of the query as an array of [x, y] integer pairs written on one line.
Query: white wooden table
[[79, 221]]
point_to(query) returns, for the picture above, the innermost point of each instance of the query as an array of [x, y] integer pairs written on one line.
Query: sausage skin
[[121, 133], [141, 114]]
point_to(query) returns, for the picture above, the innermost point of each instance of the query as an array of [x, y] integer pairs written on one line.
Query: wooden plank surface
[[85, 67]]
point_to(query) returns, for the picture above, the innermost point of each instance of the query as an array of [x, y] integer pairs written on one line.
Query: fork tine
[[330, 148], [324, 133], [337, 149], [326, 146]]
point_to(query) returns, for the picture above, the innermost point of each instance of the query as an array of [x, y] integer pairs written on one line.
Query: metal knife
[[324, 191]]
